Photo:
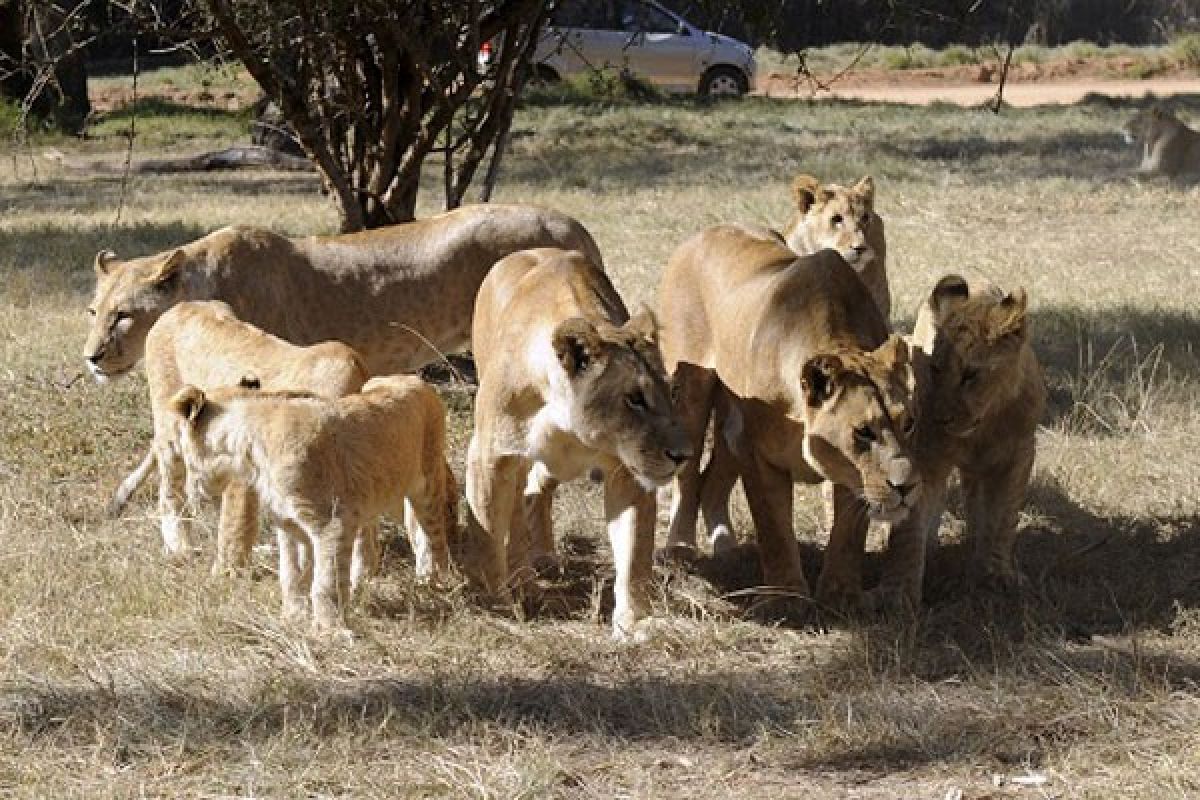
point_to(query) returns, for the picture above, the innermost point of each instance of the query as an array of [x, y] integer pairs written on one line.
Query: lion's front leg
[[720, 476], [493, 493], [909, 544], [993, 504], [694, 389], [538, 501], [176, 527], [366, 559], [840, 584], [237, 528], [630, 511], [769, 495]]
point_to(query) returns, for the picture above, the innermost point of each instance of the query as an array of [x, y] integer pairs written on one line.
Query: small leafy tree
[[372, 88]]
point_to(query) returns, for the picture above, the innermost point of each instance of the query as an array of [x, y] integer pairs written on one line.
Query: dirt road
[[1020, 94]]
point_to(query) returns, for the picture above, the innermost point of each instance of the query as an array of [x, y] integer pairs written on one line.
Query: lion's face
[[620, 397], [1146, 126], [129, 297], [837, 217], [860, 418], [975, 342]]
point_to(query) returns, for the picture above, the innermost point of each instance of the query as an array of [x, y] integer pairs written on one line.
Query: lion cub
[[323, 469], [568, 384], [984, 402], [843, 219], [814, 390], [203, 344]]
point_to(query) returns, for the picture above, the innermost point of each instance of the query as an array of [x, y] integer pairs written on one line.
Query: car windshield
[[614, 15]]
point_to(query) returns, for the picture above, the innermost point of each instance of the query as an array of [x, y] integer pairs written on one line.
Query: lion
[[842, 219], [203, 344], [324, 468], [815, 388], [985, 400], [569, 385], [398, 295], [1169, 147]]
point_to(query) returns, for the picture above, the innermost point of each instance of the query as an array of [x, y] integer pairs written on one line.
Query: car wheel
[[723, 82]]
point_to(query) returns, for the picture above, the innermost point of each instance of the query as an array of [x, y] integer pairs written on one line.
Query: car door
[[582, 35], [658, 48]]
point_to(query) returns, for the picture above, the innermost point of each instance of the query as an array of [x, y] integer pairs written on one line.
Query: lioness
[[205, 345], [1168, 146], [323, 469], [398, 295], [568, 384], [843, 219], [987, 396], [816, 390], [827, 216]]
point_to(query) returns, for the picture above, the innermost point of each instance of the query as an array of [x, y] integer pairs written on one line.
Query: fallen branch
[[239, 157]]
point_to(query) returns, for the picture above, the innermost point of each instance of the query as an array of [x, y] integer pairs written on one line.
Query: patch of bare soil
[[111, 98], [1066, 81]]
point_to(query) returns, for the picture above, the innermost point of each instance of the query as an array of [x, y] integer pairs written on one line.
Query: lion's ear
[[188, 402], [804, 191], [577, 345], [170, 266], [866, 188], [104, 260], [950, 291], [819, 378], [644, 325], [1011, 317]]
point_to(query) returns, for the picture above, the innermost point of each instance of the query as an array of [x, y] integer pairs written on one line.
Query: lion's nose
[[678, 455], [94, 358], [902, 489]]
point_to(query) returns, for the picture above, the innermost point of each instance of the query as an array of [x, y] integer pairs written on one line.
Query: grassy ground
[[124, 675]]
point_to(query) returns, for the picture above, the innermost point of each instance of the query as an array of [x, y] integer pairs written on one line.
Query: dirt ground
[[1062, 82]]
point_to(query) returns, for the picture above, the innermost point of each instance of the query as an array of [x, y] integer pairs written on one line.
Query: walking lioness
[[568, 384], [816, 390], [398, 295]]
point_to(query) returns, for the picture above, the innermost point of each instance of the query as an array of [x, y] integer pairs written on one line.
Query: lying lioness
[[816, 389], [568, 383], [323, 469]]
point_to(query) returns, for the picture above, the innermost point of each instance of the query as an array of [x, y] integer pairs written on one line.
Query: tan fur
[[205, 345], [843, 219], [398, 295], [568, 384], [323, 469], [986, 397], [816, 391], [1169, 147]]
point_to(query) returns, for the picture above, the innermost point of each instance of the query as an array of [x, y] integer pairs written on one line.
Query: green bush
[[1082, 49], [10, 117], [916, 56], [956, 55], [1186, 50]]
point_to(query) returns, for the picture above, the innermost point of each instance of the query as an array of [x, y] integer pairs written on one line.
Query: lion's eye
[[864, 434], [836, 219], [910, 425], [91, 312], [636, 400], [969, 375]]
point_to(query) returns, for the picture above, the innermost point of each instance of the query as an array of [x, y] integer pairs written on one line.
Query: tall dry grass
[[122, 674]]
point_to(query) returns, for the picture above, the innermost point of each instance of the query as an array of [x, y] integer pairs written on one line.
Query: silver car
[[645, 39]]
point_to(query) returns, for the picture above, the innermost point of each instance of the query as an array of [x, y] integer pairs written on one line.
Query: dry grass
[[123, 675]]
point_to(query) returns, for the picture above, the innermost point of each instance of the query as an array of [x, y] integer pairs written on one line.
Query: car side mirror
[[682, 29]]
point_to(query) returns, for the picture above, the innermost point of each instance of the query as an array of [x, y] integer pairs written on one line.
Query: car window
[[645, 18], [590, 14]]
